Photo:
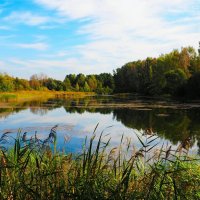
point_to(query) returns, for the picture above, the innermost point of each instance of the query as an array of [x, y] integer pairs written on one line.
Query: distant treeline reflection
[[173, 124]]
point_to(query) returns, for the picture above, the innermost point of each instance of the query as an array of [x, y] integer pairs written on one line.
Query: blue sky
[[58, 37]]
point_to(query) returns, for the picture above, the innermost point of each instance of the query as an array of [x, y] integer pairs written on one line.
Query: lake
[[171, 121]]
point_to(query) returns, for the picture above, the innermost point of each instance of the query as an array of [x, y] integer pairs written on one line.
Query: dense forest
[[176, 73]]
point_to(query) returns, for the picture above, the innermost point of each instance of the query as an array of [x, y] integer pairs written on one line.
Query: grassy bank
[[6, 97], [33, 169]]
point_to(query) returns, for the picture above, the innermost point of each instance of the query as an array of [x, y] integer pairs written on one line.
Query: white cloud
[[27, 18], [36, 46], [129, 29], [118, 31], [2, 63], [40, 38], [52, 66], [3, 66], [47, 27]]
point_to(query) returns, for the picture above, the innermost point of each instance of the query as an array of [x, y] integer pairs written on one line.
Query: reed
[[34, 169], [5, 97], [34, 94]]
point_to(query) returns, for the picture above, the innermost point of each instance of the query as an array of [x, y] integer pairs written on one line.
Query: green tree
[[6, 83], [194, 65], [51, 84], [80, 79], [67, 84], [72, 78], [193, 86], [77, 88], [175, 79], [86, 87], [21, 84], [92, 82]]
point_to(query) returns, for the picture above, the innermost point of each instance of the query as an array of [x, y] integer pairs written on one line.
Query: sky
[[59, 37]]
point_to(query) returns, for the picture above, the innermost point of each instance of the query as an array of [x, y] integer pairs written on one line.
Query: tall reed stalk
[[32, 169]]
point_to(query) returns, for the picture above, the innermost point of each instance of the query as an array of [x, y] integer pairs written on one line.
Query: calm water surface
[[173, 122]]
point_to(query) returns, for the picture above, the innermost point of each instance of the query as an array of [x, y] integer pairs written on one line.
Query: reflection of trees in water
[[39, 111], [6, 112], [88, 104], [32, 103], [176, 125], [42, 107], [91, 110]]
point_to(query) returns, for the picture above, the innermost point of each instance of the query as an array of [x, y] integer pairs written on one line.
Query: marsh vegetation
[[32, 168]]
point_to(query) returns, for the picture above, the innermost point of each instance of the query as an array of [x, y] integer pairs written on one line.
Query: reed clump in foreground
[[33, 169]]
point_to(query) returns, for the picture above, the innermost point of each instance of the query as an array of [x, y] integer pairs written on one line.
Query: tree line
[[176, 73], [102, 83]]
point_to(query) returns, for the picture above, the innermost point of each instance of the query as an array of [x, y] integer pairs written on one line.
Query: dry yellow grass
[[22, 96]]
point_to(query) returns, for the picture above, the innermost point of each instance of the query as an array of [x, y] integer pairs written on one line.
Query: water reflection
[[169, 120], [39, 111], [6, 112]]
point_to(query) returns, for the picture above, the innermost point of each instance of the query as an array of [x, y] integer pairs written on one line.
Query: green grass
[[6, 97], [32, 169], [12, 98]]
